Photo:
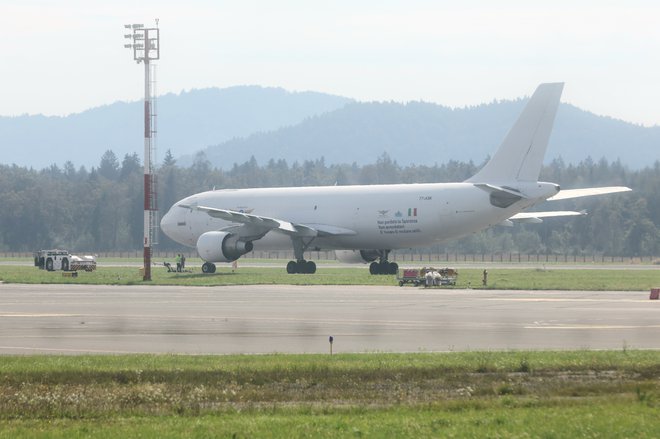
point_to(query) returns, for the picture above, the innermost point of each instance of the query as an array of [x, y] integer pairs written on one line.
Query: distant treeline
[[101, 209]]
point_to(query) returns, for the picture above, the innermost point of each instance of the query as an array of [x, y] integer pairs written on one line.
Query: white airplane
[[364, 223]]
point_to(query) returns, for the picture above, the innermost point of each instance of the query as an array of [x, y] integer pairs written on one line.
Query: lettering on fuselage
[[404, 221]]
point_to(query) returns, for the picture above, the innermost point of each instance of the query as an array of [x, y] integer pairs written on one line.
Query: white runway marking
[[62, 350], [38, 315], [589, 327], [568, 299]]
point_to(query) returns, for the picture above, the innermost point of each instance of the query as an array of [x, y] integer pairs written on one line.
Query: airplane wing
[[566, 194], [266, 224]]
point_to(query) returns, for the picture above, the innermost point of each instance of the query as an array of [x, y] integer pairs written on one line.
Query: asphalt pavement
[[74, 319]]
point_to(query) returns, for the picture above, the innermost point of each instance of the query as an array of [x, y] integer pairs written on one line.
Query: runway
[[76, 319]]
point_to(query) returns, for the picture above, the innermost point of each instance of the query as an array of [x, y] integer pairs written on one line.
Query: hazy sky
[[64, 56]]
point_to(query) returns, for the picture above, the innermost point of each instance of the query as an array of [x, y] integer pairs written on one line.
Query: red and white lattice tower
[[146, 48]]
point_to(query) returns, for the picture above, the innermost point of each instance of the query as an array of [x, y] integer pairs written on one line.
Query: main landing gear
[[383, 266], [300, 265], [207, 267]]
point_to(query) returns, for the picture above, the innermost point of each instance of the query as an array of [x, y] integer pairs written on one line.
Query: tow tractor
[[53, 260]]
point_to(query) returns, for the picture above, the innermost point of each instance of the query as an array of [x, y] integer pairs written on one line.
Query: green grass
[[470, 394], [527, 279], [618, 419], [223, 276]]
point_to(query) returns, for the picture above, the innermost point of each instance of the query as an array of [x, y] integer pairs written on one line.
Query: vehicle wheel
[[401, 283], [292, 267], [374, 268], [65, 264], [310, 267], [49, 264]]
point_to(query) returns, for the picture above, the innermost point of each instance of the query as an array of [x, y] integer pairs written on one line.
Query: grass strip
[[517, 279], [466, 394], [601, 420]]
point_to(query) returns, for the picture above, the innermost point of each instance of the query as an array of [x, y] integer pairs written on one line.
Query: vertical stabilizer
[[520, 156]]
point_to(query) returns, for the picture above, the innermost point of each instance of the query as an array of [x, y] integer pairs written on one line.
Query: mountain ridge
[[187, 121], [231, 125], [426, 133]]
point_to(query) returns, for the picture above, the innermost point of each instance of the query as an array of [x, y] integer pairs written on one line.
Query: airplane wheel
[[393, 268], [301, 267], [208, 268], [383, 267], [292, 267]]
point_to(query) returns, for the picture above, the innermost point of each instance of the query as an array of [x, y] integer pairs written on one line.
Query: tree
[[130, 165], [93, 211], [169, 159], [109, 166]]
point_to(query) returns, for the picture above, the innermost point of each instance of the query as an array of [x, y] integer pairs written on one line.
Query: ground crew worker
[[178, 262], [428, 276]]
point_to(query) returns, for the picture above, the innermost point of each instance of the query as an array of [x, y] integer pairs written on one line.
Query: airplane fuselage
[[381, 216], [364, 223]]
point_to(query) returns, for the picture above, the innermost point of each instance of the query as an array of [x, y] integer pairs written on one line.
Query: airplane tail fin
[[520, 156]]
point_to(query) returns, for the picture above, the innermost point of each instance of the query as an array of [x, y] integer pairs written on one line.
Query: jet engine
[[222, 247], [356, 256]]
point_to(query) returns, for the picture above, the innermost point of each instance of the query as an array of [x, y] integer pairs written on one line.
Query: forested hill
[[187, 122], [425, 133], [273, 123], [99, 210]]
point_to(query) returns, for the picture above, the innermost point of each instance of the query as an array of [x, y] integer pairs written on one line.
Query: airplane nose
[[168, 223]]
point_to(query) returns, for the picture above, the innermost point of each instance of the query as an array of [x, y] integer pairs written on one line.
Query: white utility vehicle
[[53, 260]]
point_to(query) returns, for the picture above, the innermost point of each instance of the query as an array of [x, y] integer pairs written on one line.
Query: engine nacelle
[[222, 247], [356, 256]]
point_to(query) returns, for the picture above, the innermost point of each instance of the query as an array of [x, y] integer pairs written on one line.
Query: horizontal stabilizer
[[535, 217], [566, 194]]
